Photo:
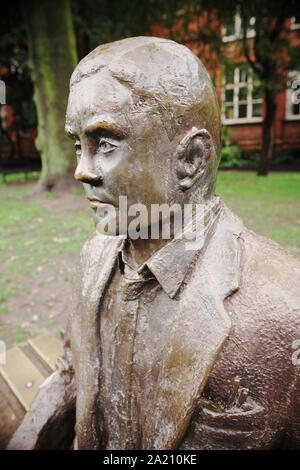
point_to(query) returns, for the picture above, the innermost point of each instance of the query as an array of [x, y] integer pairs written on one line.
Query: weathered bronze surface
[[167, 348]]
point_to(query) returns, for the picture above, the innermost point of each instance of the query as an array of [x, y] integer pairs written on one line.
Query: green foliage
[[230, 154], [287, 159], [226, 140], [231, 157], [100, 21]]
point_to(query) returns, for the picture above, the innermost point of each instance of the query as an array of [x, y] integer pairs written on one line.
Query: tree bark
[[268, 134], [53, 57]]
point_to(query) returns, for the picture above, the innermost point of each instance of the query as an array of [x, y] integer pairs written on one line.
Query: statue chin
[[107, 222]]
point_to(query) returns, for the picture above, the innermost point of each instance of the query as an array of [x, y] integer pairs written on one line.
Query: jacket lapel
[[99, 258], [197, 337]]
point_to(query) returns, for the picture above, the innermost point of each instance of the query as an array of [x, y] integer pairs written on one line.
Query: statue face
[[122, 149]]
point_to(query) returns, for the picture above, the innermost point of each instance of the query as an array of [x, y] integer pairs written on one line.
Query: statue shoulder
[[269, 274], [271, 264], [262, 260]]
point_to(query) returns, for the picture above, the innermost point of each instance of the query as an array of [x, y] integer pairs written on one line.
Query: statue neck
[[139, 251]]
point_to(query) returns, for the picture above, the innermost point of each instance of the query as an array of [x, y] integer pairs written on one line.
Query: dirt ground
[[45, 306]]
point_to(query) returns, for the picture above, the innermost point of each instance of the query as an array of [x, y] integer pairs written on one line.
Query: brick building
[[242, 99], [239, 92]]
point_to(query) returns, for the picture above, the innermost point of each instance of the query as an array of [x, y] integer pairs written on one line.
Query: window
[[232, 29], [295, 22], [229, 29], [293, 96], [242, 96]]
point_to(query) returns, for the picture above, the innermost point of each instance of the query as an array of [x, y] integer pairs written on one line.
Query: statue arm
[[50, 421]]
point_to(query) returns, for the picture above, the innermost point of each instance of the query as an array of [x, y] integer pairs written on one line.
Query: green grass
[[17, 177], [19, 336], [269, 205], [30, 235]]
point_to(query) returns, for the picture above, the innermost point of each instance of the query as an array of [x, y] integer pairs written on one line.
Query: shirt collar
[[171, 263]]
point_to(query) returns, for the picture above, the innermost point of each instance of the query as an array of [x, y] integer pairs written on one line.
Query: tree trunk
[[53, 57], [268, 134]]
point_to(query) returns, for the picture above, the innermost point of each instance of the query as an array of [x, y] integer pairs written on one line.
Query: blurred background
[[251, 50]]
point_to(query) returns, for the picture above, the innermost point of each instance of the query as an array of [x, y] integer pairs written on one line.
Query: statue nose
[[86, 173]]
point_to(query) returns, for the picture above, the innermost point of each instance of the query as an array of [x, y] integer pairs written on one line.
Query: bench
[[25, 369]]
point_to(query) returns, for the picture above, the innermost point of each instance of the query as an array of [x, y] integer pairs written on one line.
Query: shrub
[[231, 157]]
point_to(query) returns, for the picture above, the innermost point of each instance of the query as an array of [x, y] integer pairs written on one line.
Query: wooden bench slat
[[48, 347], [22, 376]]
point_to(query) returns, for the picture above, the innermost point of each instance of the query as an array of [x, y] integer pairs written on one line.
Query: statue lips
[[98, 203]]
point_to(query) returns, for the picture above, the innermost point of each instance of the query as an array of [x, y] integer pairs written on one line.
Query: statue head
[[146, 123]]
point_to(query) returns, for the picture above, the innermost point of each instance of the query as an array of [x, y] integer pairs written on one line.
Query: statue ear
[[193, 154]]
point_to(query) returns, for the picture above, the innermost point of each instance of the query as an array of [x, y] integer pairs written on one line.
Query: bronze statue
[[167, 347]]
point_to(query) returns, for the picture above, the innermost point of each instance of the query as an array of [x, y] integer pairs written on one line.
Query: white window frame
[[294, 75], [235, 86], [238, 30], [294, 25]]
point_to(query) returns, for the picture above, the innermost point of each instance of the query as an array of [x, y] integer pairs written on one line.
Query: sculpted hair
[[164, 78]]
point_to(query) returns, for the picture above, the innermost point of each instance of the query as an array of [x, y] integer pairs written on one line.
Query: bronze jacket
[[237, 385]]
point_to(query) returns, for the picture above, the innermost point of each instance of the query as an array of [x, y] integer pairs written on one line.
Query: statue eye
[[77, 148], [106, 146]]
